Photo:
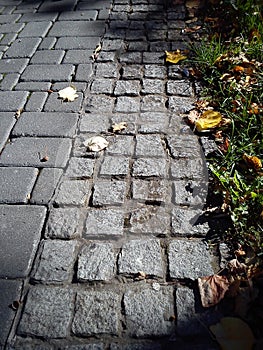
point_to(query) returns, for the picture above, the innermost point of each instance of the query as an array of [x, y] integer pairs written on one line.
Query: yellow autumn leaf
[[68, 94], [119, 127], [174, 57], [233, 334], [208, 120]]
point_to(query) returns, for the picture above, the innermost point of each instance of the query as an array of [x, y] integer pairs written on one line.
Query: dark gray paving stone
[[48, 57], [53, 306], [78, 56], [35, 29], [187, 222], [77, 29], [64, 5], [143, 345], [64, 223], [18, 184], [84, 72], [189, 259], [107, 70], [145, 167], [104, 222], [151, 190], [7, 122], [109, 192], [22, 48], [78, 43], [96, 123], [131, 57], [9, 81], [102, 86], [33, 86], [80, 167], [104, 306], [39, 17], [153, 122], [45, 185], [149, 145], [154, 103], [142, 255], [126, 104], [11, 101], [36, 101], [79, 15], [48, 72], [55, 104], [46, 124], [179, 104], [20, 232], [99, 104], [148, 312], [122, 144], [96, 262], [9, 18], [153, 57], [10, 291], [56, 260], [113, 165]]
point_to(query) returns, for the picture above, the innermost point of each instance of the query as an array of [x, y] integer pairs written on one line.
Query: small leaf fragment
[[208, 120], [18, 113], [119, 127], [96, 143], [174, 57], [68, 94], [252, 162], [212, 289]]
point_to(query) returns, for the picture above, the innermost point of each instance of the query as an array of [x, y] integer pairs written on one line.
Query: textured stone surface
[[75, 192], [11, 101], [7, 121], [109, 192], [188, 222], [104, 222], [115, 166], [149, 145], [190, 193], [80, 167], [151, 190], [146, 167]]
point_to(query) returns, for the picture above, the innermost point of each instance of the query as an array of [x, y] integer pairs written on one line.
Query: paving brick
[[48, 72], [102, 306], [127, 104], [96, 262], [154, 103], [7, 122], [122, 145], [190, 193], [153, 122], [55, 262], [151, 190], [36, 101], [11, 27], [8, 38], [145, 167], [45, 185], [180, 104], [115, 165], [9, 81], [107, 70], [33, 86], [9, 18], [132, 72], [113, 44], [64, 223], [138, 46], [149, 145], [102, 86], [48, 57], [78, 43], [22, 48], [77, 28], [35, 29], [75, 192], [188, 222], [47, 44], [18, 184], [185, 168], [109, 192], [30, 151], [11, 101], [99, 103], [78, 56], [189, 259], [10, 291], [152, 86], [53, 306], [80, 167], [148, 312], [131, 88], [104, 222], [181, 88], [92, 122], [106, 56], [153, 57], [89, 15], [20, 233], [39, 17], [142, 255], [131, 57], [55, 104], [84, 72]]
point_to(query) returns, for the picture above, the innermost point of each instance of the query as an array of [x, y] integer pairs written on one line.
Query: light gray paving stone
[[84, 72], [175, 72], [80, 87], [104, 222], [33, 86], [106, 56], [115, 165], [45, 185], [109, 192], [64, 223], [102, 86], [10, 291], [47, 44], [150, 219], [190, 193], [188, 222], [7, 122], [154, 71], [96, 262], [152, 86], [48, 72], [149, 145], [78, 43], [179, 87], [151, 190], [148, 312], [126, 87], [48, 57], [89, 15], [126, 104], [9, 18], [179, 104], [184, 146], [53, 306], [35, 29], [130, 119], [9, 81], [122, 145], [184, 168], [132, 72], [153, 122], [11, 27], [22, 48], [75, 192], [56, 260], [146, 167], [55, 104], [17, 184], [78, 56], [39, 16], [36, 101], [99, 104], [107, 70], [142, 255], [80, 167], [20, 233], [8, 38], [31, 151], [154, 103], [77, 28], [11, 101], [103, 307], [96, 123], [189, 259]]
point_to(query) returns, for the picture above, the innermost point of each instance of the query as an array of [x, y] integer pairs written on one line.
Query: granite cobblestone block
[[153, 103], [151, 190], [153, 122], [80, 168], [122, 145], [149, 146], [126, 104], [131, 88], [99, 104], [73, 192], [22, 48], [94, 123], [109, 192], [102, 86], [188, 222], [147, 167], [104, 222], [112, 165]]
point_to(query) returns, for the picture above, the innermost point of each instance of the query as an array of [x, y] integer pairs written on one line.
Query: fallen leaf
[[96, 52], [96, 143], [191, 29], [208, 120], [233, 334], [18, 113], [236, 267], [174, 57], [68, 94], [119, 127], [156, 286], [212, 289], [252, 162], [193, 116]]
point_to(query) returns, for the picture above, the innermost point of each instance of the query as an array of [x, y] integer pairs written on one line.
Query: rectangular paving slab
[[11, 101], [47, 72]]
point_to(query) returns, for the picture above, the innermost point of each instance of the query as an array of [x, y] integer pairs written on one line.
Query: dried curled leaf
[[208, 120], [119, 127], [233, 334], [252, 161], [96, 143], [174, 57], [68, 94], [212, 289]]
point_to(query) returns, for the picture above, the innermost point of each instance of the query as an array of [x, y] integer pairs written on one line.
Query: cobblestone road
[[99, 250]]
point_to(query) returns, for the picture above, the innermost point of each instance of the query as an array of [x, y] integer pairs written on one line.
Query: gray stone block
[[96, 262], [11, 101], [184, 146], [75, 192], [78, 56], [109, 192], [131, 57], [80, 167], [138, 46], [99, 103], [103, 307], [126, 87], [91, 122], [77, 29], [102, 86], [55, 104], [187, 222], [151, 122], [45, 185], [7, 122], [104, 222], [107, 70], [56, 260], [148, 312], [127, 104], [149, 145], [145, 167], [189, 259], [122, 145], [190, 193], [152, 86], [47, 44], [136, 346], [152, 57], [130, 119], [20, 233], [10, 292], [22, 48], [185, 168], [90, 346], [154, 71], [84, 72], [17, 184], [151, 190], [64, 223], [30, 151], [53, 306], [48, 72], [181, 88], [8, 38], [78, 43], [142, 255], [36, 101], [35, 29], [89, 15], [106, 56], [15, 65], [33, 86], [9, 81], [11, 27], [46, 124], [39, 17], [132, 72], [179, 104], [48, 57], [115, 165], [154, 103], [8, 18]]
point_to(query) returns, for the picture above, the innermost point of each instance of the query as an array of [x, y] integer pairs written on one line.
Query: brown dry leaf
[[96, 52], [208, 120], [192, 29], [174, 56], [68, 94], [119, 127], [18, 113], [193, 116], [236, 267], [96, 143], [252, 162], [212, 289], [233, 334]]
